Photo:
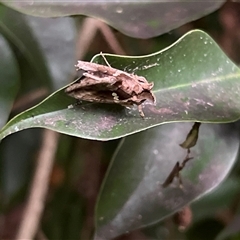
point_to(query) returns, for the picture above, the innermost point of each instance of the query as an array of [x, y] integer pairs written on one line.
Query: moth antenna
[[105, 59]]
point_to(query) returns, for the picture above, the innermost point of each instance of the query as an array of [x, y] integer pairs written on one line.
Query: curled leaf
[[192, 137]]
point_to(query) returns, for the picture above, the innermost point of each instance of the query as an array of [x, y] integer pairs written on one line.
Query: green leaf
[[193, 81], [212, 204], [9, 80], [16, 30], [139, 19], [132, 195], [57, 39]]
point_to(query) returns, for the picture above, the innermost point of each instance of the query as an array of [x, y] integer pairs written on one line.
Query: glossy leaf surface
[[16, 30], [132, 195], [9, 80], [140, 19], [193, 81], [57, 39]]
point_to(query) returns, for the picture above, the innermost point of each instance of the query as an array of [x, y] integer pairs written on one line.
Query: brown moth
[[104, 84]]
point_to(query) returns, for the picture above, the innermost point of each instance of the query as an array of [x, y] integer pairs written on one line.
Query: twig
[[35, 204], [86, 36], [29, 99], [90, 184], [110, 38], [89, 29]]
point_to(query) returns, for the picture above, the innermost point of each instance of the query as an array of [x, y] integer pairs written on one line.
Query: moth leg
[[141, 111]]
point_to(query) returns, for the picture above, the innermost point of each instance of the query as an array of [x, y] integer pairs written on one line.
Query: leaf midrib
[[204, 81]]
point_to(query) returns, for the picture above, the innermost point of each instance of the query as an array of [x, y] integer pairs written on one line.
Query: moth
[[104, 84]]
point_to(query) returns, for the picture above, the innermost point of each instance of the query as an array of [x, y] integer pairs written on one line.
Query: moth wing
[[87, 66], [92, 82], [94, 96], [95, 79], [147, 95], [94, 67]]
